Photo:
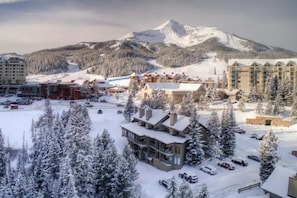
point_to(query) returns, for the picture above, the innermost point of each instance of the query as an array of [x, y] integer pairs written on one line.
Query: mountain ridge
[[170, 44]]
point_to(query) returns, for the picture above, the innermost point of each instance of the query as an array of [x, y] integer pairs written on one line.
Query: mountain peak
[[168, 23]]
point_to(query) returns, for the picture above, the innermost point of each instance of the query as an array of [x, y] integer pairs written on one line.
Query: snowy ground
[[225, 184]]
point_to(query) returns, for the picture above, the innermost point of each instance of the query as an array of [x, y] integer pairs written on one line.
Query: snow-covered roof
[[104, 84], [181, 124], [157, 116], [277, 183], [8, 56], [175, 86], [261, 62], [162, 136]]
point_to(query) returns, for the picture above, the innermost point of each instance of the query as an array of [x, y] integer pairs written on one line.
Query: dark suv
[[189, 178], [240, 161], [165, 183]]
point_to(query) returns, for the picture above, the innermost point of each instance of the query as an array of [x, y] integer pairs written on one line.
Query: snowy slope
[[172, 32]]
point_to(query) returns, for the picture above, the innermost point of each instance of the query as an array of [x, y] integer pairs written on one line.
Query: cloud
[[10, 1]]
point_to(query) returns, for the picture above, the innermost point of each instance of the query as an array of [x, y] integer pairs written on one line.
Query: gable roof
[[174, 86], [157, 116], [261, 62], [277, 183], [181, 124], [158, 135]]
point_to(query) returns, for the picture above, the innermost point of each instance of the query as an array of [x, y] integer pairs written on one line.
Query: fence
[[249, 187]]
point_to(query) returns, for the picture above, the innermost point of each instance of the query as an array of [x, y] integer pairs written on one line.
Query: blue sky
[[31, 25]]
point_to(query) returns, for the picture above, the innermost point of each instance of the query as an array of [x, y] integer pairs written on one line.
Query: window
[[176, 160], [268, 122], [177, 149]]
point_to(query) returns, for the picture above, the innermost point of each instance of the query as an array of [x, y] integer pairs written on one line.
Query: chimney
[[141, 112], [148, 113], [173, 118], [292, 187]]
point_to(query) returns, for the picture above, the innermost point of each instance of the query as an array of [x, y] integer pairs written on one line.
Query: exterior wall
[[30, 90], [244, 77], [264, 120], [12, 71], [292, 189], [162, 156], [60, 91]]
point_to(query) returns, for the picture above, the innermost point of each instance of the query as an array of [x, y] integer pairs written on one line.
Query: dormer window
[[254, 64], [267, 64], [278, 64], [235, 64]]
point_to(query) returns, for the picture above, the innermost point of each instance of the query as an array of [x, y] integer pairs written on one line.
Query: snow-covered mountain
[[172, 32]]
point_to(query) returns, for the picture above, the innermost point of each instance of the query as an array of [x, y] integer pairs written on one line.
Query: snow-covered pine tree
[[65, 117], [203, 192], [67, 180], [267, 89], [157, 100], [215, 96], [241, 105], [133, 88], [224, 80], [132, 162], [215, 130], [78, 149], [268, 154], [185, 191], [194, 150], [253, 95], [186, 105], [172, 189], [277, 107], [105, 160], [2, 156], [294, 112], [259, 108], [123, 178], [269, 108], [129, 109], [287, 92], [227, 139]]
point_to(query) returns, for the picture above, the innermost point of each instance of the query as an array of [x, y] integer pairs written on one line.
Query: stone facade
[[269, 121]]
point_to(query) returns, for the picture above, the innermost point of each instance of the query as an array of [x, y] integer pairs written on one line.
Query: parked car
[[165, 183], [100, 111], [88, 104], [254, 157], [260, 137], [239, 161], [7, 102], [226, 165], [253, 135], [6, 106], [119, 111], [209, 169], [120, 105], [189, 178], [238, 130]]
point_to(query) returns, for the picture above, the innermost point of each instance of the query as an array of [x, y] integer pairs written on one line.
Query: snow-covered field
[[14, 123]]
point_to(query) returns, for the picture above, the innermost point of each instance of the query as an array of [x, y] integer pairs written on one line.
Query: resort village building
[[174, 91], [245, 73], [158, 138], [12, 73]]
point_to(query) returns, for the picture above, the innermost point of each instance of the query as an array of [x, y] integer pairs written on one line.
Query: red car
[[226, 165]]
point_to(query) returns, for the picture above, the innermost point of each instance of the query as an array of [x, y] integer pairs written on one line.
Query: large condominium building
[[12, 72], [245, 73]]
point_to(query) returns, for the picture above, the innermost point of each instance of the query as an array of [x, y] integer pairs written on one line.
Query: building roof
[[8, 56], [261, 62], [277, 183], [181, 124], [175, 86], [161, 136], [157, 116]]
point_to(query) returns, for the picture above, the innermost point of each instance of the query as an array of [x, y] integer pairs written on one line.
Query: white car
[[209, 169]]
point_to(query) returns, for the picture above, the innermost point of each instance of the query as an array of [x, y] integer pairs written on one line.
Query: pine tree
[[215, 130], [274, 86], [194, 150], [287, 92], [224, 80], [133, 88], [203, 192], [241, 105], [67, 180], [186, 105], [2, 156], [227, 140], [253, 95], [78, 149], [269, 108], [277, 107], [132, 162], [267, 89], [129, 109], [172, 189], [185, 191], [294, 111], [157, 100], [259, 108], [268, 154]]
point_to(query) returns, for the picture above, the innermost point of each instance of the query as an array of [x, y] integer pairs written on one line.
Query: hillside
[[170, 44]]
